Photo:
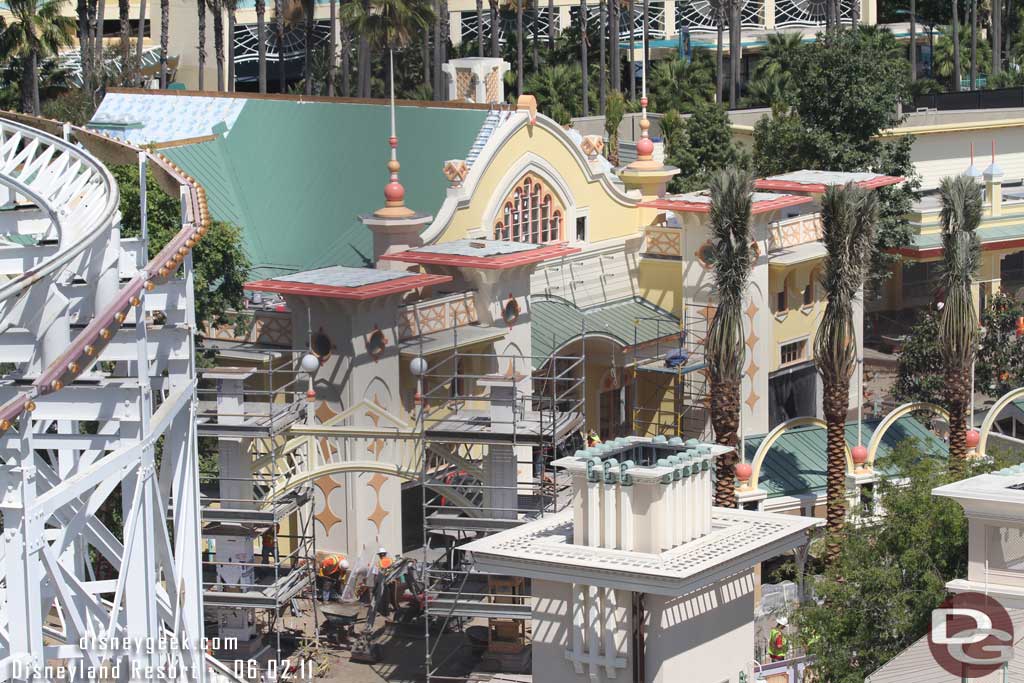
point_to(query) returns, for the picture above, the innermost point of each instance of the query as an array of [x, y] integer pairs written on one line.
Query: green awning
[[556, 322]]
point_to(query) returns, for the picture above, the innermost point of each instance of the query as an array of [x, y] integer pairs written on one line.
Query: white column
[[455, 28], [626, 515], [670, 19], [564, 18], [769, 14]]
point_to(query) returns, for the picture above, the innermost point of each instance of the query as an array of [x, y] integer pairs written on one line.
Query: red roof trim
[[379, 289], [937, 251], [792, 186], [501, 262], [684, 206]]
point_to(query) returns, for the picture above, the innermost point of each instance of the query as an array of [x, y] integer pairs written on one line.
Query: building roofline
[[792, 186], [278, 97], [685, 206], [361, 293], [498, 262]]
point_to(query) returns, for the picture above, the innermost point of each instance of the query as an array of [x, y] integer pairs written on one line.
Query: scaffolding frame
[[273, 398], [687, 381], [458, 433]]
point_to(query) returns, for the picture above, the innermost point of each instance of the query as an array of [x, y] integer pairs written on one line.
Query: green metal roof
[[555, 322], [797, 463], [1007, 232], [297, 175]]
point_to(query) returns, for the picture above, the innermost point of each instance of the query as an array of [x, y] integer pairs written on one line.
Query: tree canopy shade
[[700, 146], [848, 86], [220, 266]]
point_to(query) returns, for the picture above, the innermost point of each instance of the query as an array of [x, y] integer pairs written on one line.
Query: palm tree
[[956, 45], [261, 43], [848, 214], [217, 9], [556, 86], [602, 72], [279, 22], [551, 26], [613, 113], [944, 61], [719, 54], [84, 42], [388, 24], [913, 40], [780, 52], [495, 27], [201, 8], [165, 20], [141, 35], [735, 52], [773, 89], [678, 84], [732, 258], [519, 46], [479, 28], [632, 49], [585, 89], [974, 44], [958, 320], [36, 30], [997, 36], [124, 19], [307, 54], [332, 59], [613, 30], [231, 6]]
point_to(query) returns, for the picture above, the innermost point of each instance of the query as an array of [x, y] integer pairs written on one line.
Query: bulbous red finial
[[973, 438], [394, 192], [744, 471], [859, 455], [644, 147]]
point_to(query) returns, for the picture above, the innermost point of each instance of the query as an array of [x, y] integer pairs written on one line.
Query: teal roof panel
[[555, 322], [797, 462]]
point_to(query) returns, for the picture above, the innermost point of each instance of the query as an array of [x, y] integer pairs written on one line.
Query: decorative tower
[[993, 176], [395, 226], [646, 174]]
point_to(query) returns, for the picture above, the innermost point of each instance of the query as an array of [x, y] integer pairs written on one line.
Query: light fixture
[[310, 363], [418, 366]]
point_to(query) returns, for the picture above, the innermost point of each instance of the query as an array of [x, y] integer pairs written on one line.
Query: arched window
[[531, 213]]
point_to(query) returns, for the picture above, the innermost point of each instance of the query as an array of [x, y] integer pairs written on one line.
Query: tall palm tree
[[732, 258], [141, 34], [602, 72], [389, 24], [630, 9], [551, 26], [217, 9], [613, 31], [97, 51], [735, 52], [956, 45], [495, 27], [848, 214], [479, 28], [124, 21], [201, 9], [261, 43], [36, 30], [332, 59], [679, 84], [997, 35], [719, 54], [231, 6], [958, 320], [279, 22], [307, 54], [165, 20], [84, 41], [585, 110], [519, 46], [913, 40], [974, 44]]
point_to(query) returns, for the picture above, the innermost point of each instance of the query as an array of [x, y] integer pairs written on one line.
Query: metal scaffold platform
[[491, 426]]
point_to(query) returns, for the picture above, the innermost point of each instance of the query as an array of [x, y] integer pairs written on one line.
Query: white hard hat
[[782, 621], [382, 551], [344, 564]]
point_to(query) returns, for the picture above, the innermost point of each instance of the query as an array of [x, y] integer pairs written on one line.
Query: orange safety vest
[[268, 538], [383, 562], [331, 565]]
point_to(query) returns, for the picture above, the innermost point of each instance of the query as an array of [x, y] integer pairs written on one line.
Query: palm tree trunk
[[307, 56], [279, 31], [735, 54], [913, 40], [124, 18], [631, 69], [332, 60], [1009, 33], [142, 35], [261, 43], [519, 46], [720, 58], [346, 63], [165, 19], [997, 36], [583, 59], [29, 84], [725, 411], [613, 30], [231, 46], [974, 44], [552, 17], [97, 54], [479, 28], [646, 56], [425, 49], [201, 56], [835, 405], [218, 41], [956, 46], [958, 391], [534, 44], [84, 41], [495, 28], [437, 53], [602, 73]]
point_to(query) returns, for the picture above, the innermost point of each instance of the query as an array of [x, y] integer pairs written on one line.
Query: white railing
[[794, 231], [436, 315], [662, 241]]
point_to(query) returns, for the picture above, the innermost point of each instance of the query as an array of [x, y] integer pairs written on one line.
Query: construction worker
[[269, 542], [593, 439], [332, 576], [778, 641]]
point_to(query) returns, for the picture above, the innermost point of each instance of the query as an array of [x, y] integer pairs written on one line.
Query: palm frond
[[960, 217]]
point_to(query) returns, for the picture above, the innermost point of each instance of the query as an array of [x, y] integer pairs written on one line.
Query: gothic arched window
[[530, 213]]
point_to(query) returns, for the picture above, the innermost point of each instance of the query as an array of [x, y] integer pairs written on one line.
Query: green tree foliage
[[36, 30], [919, 373], [615, 109], [848, 87], [772, 82], [681, 85], [701, 146], [220, 265], [942, 64], [889, 576], [1000, 363]]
